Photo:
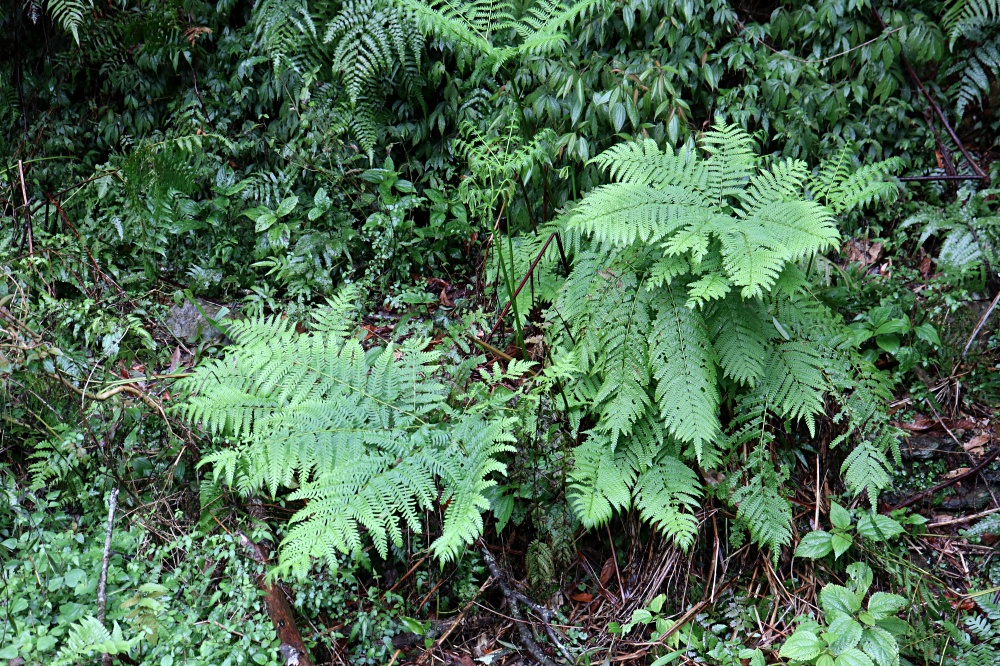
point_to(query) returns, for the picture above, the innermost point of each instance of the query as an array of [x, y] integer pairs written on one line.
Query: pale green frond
[[684, 368]]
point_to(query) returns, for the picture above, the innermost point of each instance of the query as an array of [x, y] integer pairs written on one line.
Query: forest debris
[[863, 252], [293, 650], [977, 445]]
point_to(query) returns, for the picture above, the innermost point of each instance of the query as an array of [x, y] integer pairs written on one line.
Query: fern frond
[[598, 486], [662, 492], [740, 334], [89, 638], [793, 381], [684, 368], [366, 437]]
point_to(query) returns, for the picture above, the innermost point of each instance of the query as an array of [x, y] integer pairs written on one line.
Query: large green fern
[[690, 293], [977, 24], [366, 439]]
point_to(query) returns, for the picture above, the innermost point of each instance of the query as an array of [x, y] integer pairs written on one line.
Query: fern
[[362, 437], [978, 22], [688, 295], [69, 14], [88, 638], [977, 643], [969, 231], [480, 26]]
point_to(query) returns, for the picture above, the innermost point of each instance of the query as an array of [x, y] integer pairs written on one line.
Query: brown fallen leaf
[[958, 471], [977, 445], [607, 570], [582, 597]]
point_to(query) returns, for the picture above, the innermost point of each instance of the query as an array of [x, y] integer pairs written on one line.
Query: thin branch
[[102, 582]]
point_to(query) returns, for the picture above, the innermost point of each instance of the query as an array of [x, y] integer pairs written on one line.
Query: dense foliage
[[393, 285]]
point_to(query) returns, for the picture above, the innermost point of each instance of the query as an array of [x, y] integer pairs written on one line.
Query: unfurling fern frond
[[365, 437]]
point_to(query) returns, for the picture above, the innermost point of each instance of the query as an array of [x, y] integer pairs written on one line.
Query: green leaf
[[881, 646], [838, 599], [928, 333], [877, 527], [882, 605], [839, 516], [900, 325], [803, 645], [9, 652], [853, 658], [814, 545], [667, 658], [888, 343], [824, 660], [286, 206], [841, 543], [264, 221], [846, 633], [861, 578]]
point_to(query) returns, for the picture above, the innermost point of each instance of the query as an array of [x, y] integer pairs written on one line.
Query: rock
[[922, 447], [975, 499], [186, 323]]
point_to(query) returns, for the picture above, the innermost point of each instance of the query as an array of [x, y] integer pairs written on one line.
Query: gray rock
[[186, 323], [923, 447]]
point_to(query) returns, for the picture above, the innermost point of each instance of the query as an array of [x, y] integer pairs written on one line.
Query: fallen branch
[[102, 581], [293, 650], [513, 599]]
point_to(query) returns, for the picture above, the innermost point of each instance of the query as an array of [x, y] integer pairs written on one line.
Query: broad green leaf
[[841, 543], [853, 658], [877, 527], [846, 633], [838, 599], [883, 605], [814, 545], [286, 206], [803, 645], [928, 333], [881, 646], [839, 516]]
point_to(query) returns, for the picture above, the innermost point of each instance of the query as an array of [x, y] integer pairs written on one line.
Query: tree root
[[513, 599]]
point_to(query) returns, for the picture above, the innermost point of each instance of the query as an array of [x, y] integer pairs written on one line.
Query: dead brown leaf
[[607, 571], [977, 445], [958, 471]]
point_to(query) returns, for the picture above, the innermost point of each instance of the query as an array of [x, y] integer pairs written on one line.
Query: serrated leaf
[[814, 545], [841, 543], [838, 599], [839, 516], [883, 604], [803, 646], [853, 658]]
